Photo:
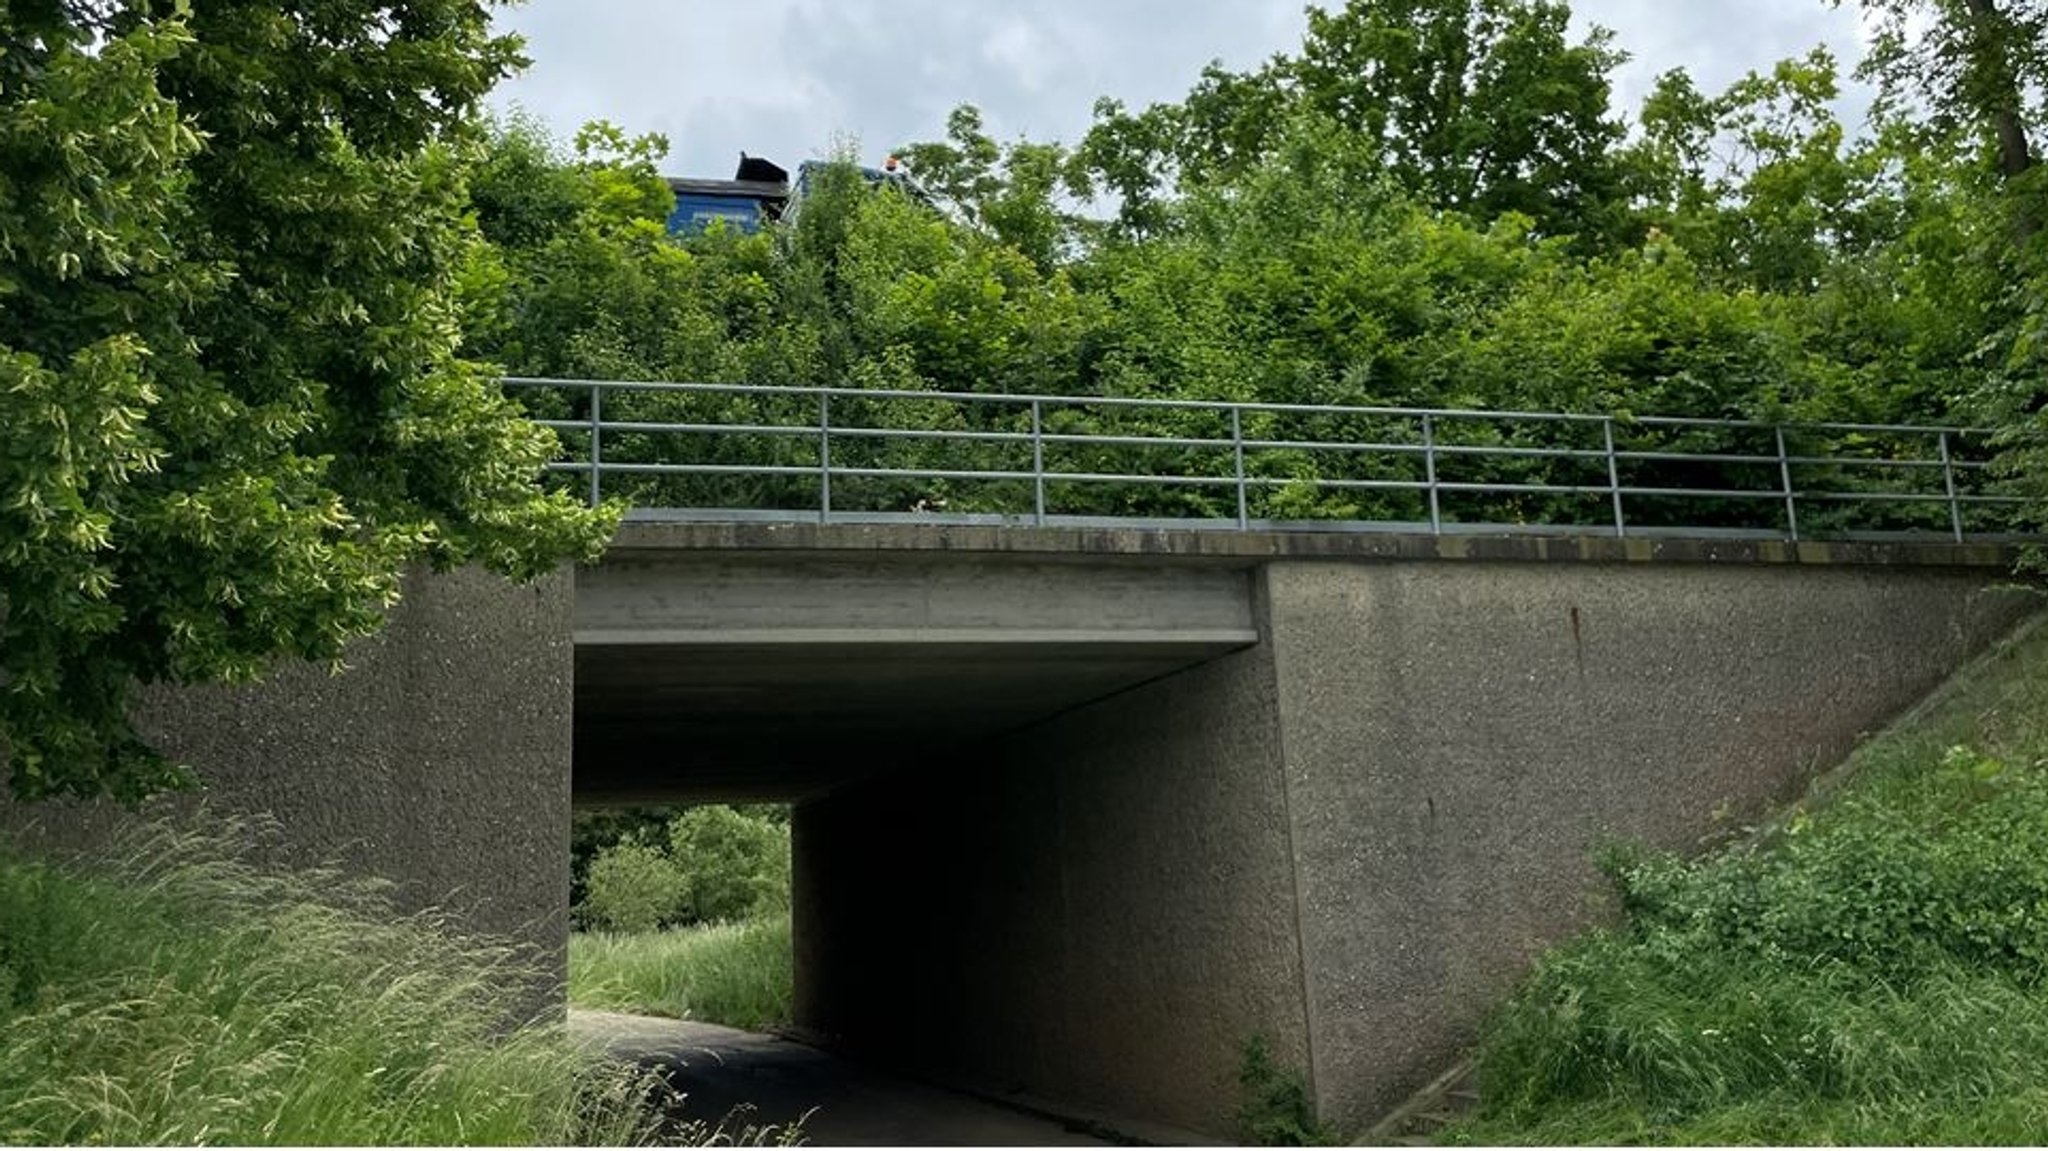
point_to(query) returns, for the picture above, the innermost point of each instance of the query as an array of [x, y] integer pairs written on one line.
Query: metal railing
[[822, 454]]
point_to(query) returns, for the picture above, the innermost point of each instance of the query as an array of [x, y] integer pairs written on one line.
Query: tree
[[1980, 65], [1008, 192], [1484, 107], [233, 406], [1977, 71]]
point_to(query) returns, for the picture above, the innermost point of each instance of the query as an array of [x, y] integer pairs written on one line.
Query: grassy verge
[[737, 974], [1873, 969], [182, 995]]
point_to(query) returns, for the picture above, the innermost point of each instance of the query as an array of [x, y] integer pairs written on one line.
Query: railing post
[[1948, 479], [1614, 477], [824, 457], [1785, 479], [1244, 521], [596, 439], [1436, 518], [1038, 462]]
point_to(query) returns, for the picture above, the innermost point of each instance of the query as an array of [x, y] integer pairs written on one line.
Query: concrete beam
[[1222, 544], [708, 676]]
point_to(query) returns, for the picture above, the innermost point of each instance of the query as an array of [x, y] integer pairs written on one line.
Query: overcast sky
[[786, 79]]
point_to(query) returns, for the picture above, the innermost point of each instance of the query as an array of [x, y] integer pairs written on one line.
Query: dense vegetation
[[1871, 970], [735, 974], [708, 864], [245, 358], [232, 411], [175, 993], [260, 262], [684, 914], [1430, 203]]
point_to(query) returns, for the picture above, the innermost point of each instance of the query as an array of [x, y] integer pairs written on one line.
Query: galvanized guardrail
[[844, 454]]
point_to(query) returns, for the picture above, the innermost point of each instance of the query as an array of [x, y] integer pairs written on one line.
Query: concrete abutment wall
[[439, 760], [1351, 838]]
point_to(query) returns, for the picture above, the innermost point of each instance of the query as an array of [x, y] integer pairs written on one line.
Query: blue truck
[[759, 193]]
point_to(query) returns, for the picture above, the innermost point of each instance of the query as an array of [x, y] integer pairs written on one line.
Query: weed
[[1276, 1110], [181, 994]]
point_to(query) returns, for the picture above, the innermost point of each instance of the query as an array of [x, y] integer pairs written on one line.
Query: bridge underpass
[[1339, 795], [1078, 813]]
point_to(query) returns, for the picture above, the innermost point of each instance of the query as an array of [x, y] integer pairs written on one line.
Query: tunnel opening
[[913, 713], [682, 911]]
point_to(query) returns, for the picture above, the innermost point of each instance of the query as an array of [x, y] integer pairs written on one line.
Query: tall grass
[[180, 994], [1873, 968], [737, 974]]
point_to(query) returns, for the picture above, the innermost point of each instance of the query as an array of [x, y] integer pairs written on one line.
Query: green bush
[[633, 886], [593, 829], [734, 866], [710, 864]]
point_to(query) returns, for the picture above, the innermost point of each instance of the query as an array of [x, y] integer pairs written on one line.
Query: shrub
[[633, 887], [733, 865], [591, 830]]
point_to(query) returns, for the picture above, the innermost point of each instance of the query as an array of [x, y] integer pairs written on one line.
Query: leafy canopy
[[233, 406]]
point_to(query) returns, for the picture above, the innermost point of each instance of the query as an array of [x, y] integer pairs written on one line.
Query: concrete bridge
[[1078, 812], [1081, 808]]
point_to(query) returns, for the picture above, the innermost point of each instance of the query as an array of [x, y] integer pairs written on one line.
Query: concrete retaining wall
[[1459, 737], [439, 760]]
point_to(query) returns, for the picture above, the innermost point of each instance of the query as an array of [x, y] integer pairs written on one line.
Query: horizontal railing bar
[[1866, 462], [1332, 446], [1261, 481], [942, 434], [690, 429], [654, 469], [1909, 497], [1134, 441], [1443, 449], [1221, 523], [626, 467], [991, 437]]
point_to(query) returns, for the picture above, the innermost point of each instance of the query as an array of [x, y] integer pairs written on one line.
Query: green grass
[[180, 994], [1872, 967], [737, 974]]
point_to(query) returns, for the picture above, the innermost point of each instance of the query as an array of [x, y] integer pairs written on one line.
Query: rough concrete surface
[[1459, 737], [1350, 837], [438, 760]]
